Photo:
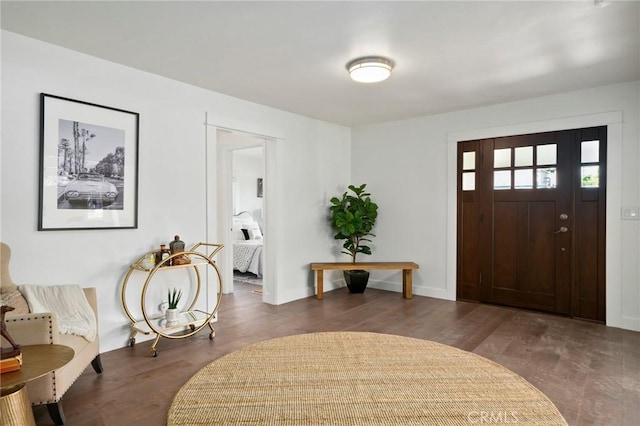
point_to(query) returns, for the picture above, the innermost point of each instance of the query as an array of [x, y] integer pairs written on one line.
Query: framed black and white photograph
[[88, 166], [260, 188]]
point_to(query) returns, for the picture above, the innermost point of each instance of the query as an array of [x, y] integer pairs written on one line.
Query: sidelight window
[[589, 164], [468, 174]]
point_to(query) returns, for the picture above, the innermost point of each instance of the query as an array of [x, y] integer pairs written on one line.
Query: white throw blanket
[[68, 302]]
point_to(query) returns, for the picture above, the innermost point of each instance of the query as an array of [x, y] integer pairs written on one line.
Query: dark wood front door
[[531, 221]]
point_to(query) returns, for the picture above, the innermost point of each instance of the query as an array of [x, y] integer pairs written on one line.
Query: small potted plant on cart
[[172, 314]]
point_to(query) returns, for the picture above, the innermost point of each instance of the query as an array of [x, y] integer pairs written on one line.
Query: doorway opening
[[240, 166], [248, 236], [531, 221]]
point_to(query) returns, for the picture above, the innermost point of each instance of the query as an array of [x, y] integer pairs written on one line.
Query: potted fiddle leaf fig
[[353, 216]]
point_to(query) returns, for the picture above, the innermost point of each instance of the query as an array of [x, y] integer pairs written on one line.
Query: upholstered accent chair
[[42, 328]]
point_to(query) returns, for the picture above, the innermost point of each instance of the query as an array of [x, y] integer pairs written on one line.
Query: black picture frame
[[260, 190], [88, 166]]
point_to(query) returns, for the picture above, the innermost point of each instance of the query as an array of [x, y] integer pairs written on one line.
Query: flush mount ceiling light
[[370, 69]]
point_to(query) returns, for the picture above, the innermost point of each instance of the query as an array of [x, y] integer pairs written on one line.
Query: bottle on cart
[[162, 254], [176, 247]]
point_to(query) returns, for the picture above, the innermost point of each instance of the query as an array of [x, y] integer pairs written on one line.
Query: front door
[[531, 221]]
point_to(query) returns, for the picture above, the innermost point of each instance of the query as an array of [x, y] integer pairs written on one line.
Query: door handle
[[562, 230]]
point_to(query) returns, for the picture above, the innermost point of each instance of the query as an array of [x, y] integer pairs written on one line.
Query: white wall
[[408, 170], [172, 138], [404, 164], [248, 166]]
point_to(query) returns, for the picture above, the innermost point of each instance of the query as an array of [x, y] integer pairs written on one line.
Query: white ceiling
[[292, 55]]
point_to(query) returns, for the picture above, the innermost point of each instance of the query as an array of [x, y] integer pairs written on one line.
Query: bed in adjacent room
[[247, 244]]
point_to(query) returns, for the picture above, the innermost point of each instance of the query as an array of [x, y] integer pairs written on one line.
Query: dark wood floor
[[591, 372]]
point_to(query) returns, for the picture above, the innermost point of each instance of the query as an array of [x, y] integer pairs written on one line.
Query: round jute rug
[[356, 378]]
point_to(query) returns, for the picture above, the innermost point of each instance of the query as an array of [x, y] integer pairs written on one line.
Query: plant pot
[[356, 280], [172, 316]]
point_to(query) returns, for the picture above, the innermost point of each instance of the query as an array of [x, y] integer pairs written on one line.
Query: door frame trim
[[225, 172], [613, 120], [218, 205]]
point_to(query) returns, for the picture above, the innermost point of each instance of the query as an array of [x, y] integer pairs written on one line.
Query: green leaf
[[353, 217]]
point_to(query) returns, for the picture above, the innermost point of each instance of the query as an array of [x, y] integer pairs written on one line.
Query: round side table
[[37, 360]]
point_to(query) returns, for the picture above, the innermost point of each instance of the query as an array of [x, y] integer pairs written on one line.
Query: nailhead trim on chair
[[50, 320], [55, 388], [45, 317]]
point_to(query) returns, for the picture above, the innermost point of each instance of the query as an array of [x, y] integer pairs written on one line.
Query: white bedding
[[247, 256]]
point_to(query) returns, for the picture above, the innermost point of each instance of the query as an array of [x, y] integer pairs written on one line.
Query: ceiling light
[[370, 69]]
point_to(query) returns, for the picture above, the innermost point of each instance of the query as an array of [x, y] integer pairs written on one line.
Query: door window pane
[[590, 176], [546, 155], [469, 181], [502, 158], [502, 179], [546, 178], [589, 151], [468, 160], [523, 179], [524, 156]]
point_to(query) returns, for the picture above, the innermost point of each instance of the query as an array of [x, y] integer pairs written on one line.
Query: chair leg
[[56, 413], [96, 363]]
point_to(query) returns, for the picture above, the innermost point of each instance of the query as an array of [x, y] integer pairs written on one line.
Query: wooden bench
[[407, 270]]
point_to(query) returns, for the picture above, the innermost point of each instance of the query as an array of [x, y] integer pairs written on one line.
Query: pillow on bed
[[253, 230], [240, 229], [238, 235], [249, 223]]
